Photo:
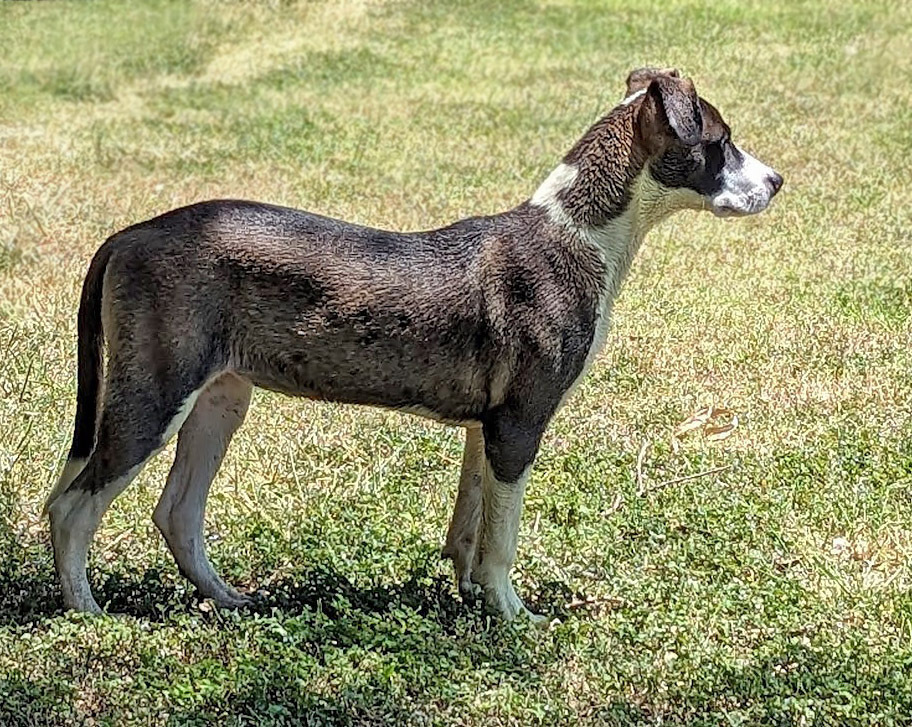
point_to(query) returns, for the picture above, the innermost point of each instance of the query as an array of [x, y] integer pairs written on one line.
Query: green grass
[[774, 591]]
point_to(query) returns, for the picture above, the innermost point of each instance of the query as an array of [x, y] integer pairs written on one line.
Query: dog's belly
[[392, 374]]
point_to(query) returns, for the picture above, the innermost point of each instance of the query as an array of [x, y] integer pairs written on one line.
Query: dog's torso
[[449, 323]]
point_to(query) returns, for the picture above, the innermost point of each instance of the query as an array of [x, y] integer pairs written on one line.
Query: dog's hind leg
[[201, 445], [137, 420], [462, 537]]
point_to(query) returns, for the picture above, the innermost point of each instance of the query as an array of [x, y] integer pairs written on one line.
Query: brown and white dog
[[488, 323]]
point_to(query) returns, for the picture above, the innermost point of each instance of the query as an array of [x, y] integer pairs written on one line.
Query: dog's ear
[[640, 78], [673, 107]]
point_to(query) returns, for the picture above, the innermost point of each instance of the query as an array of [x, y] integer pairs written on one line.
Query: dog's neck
[[603, 195]]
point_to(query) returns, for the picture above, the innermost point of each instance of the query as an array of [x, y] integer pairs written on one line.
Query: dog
[[488, 324]]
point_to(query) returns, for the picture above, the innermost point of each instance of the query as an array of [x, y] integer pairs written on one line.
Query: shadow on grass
[[318, 587], [31, 591]]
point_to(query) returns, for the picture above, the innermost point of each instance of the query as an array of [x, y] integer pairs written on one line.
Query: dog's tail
[[89, 378]]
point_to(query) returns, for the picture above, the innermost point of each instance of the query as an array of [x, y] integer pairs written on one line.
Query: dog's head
[[690, 147]]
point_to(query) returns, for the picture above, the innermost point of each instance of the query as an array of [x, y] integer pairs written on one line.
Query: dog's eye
[[713, 149], [714, 157]]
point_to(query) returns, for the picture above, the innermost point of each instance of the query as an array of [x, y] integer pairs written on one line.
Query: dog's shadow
[[31, 592], [317, 587]]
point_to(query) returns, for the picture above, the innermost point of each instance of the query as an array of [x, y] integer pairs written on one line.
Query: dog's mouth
[[738, 208], [724, 210]]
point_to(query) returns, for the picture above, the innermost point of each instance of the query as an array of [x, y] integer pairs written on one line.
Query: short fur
[[487, 323]]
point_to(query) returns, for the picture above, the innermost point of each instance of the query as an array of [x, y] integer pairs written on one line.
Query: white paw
[[536, 619], [500, 595], [469, 590], [82, 603]]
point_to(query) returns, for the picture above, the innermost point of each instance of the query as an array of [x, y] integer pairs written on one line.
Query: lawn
[[764, 577]]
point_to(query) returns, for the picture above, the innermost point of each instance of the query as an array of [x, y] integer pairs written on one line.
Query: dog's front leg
[[464, 531], [510, 448]]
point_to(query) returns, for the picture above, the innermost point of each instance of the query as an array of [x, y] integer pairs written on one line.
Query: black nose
[[775, 181]]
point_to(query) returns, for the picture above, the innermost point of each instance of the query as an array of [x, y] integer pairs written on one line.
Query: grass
[[774, 591]]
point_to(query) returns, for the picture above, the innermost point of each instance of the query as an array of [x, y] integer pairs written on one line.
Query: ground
[[758, 575]]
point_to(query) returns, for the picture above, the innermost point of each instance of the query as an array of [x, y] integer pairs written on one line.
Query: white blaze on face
[[747, 187]]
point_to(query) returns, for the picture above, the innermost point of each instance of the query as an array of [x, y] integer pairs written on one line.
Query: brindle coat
[[487, 323]]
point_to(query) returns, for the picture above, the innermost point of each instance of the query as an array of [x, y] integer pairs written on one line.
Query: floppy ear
[[677, 98], [642, 77]]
